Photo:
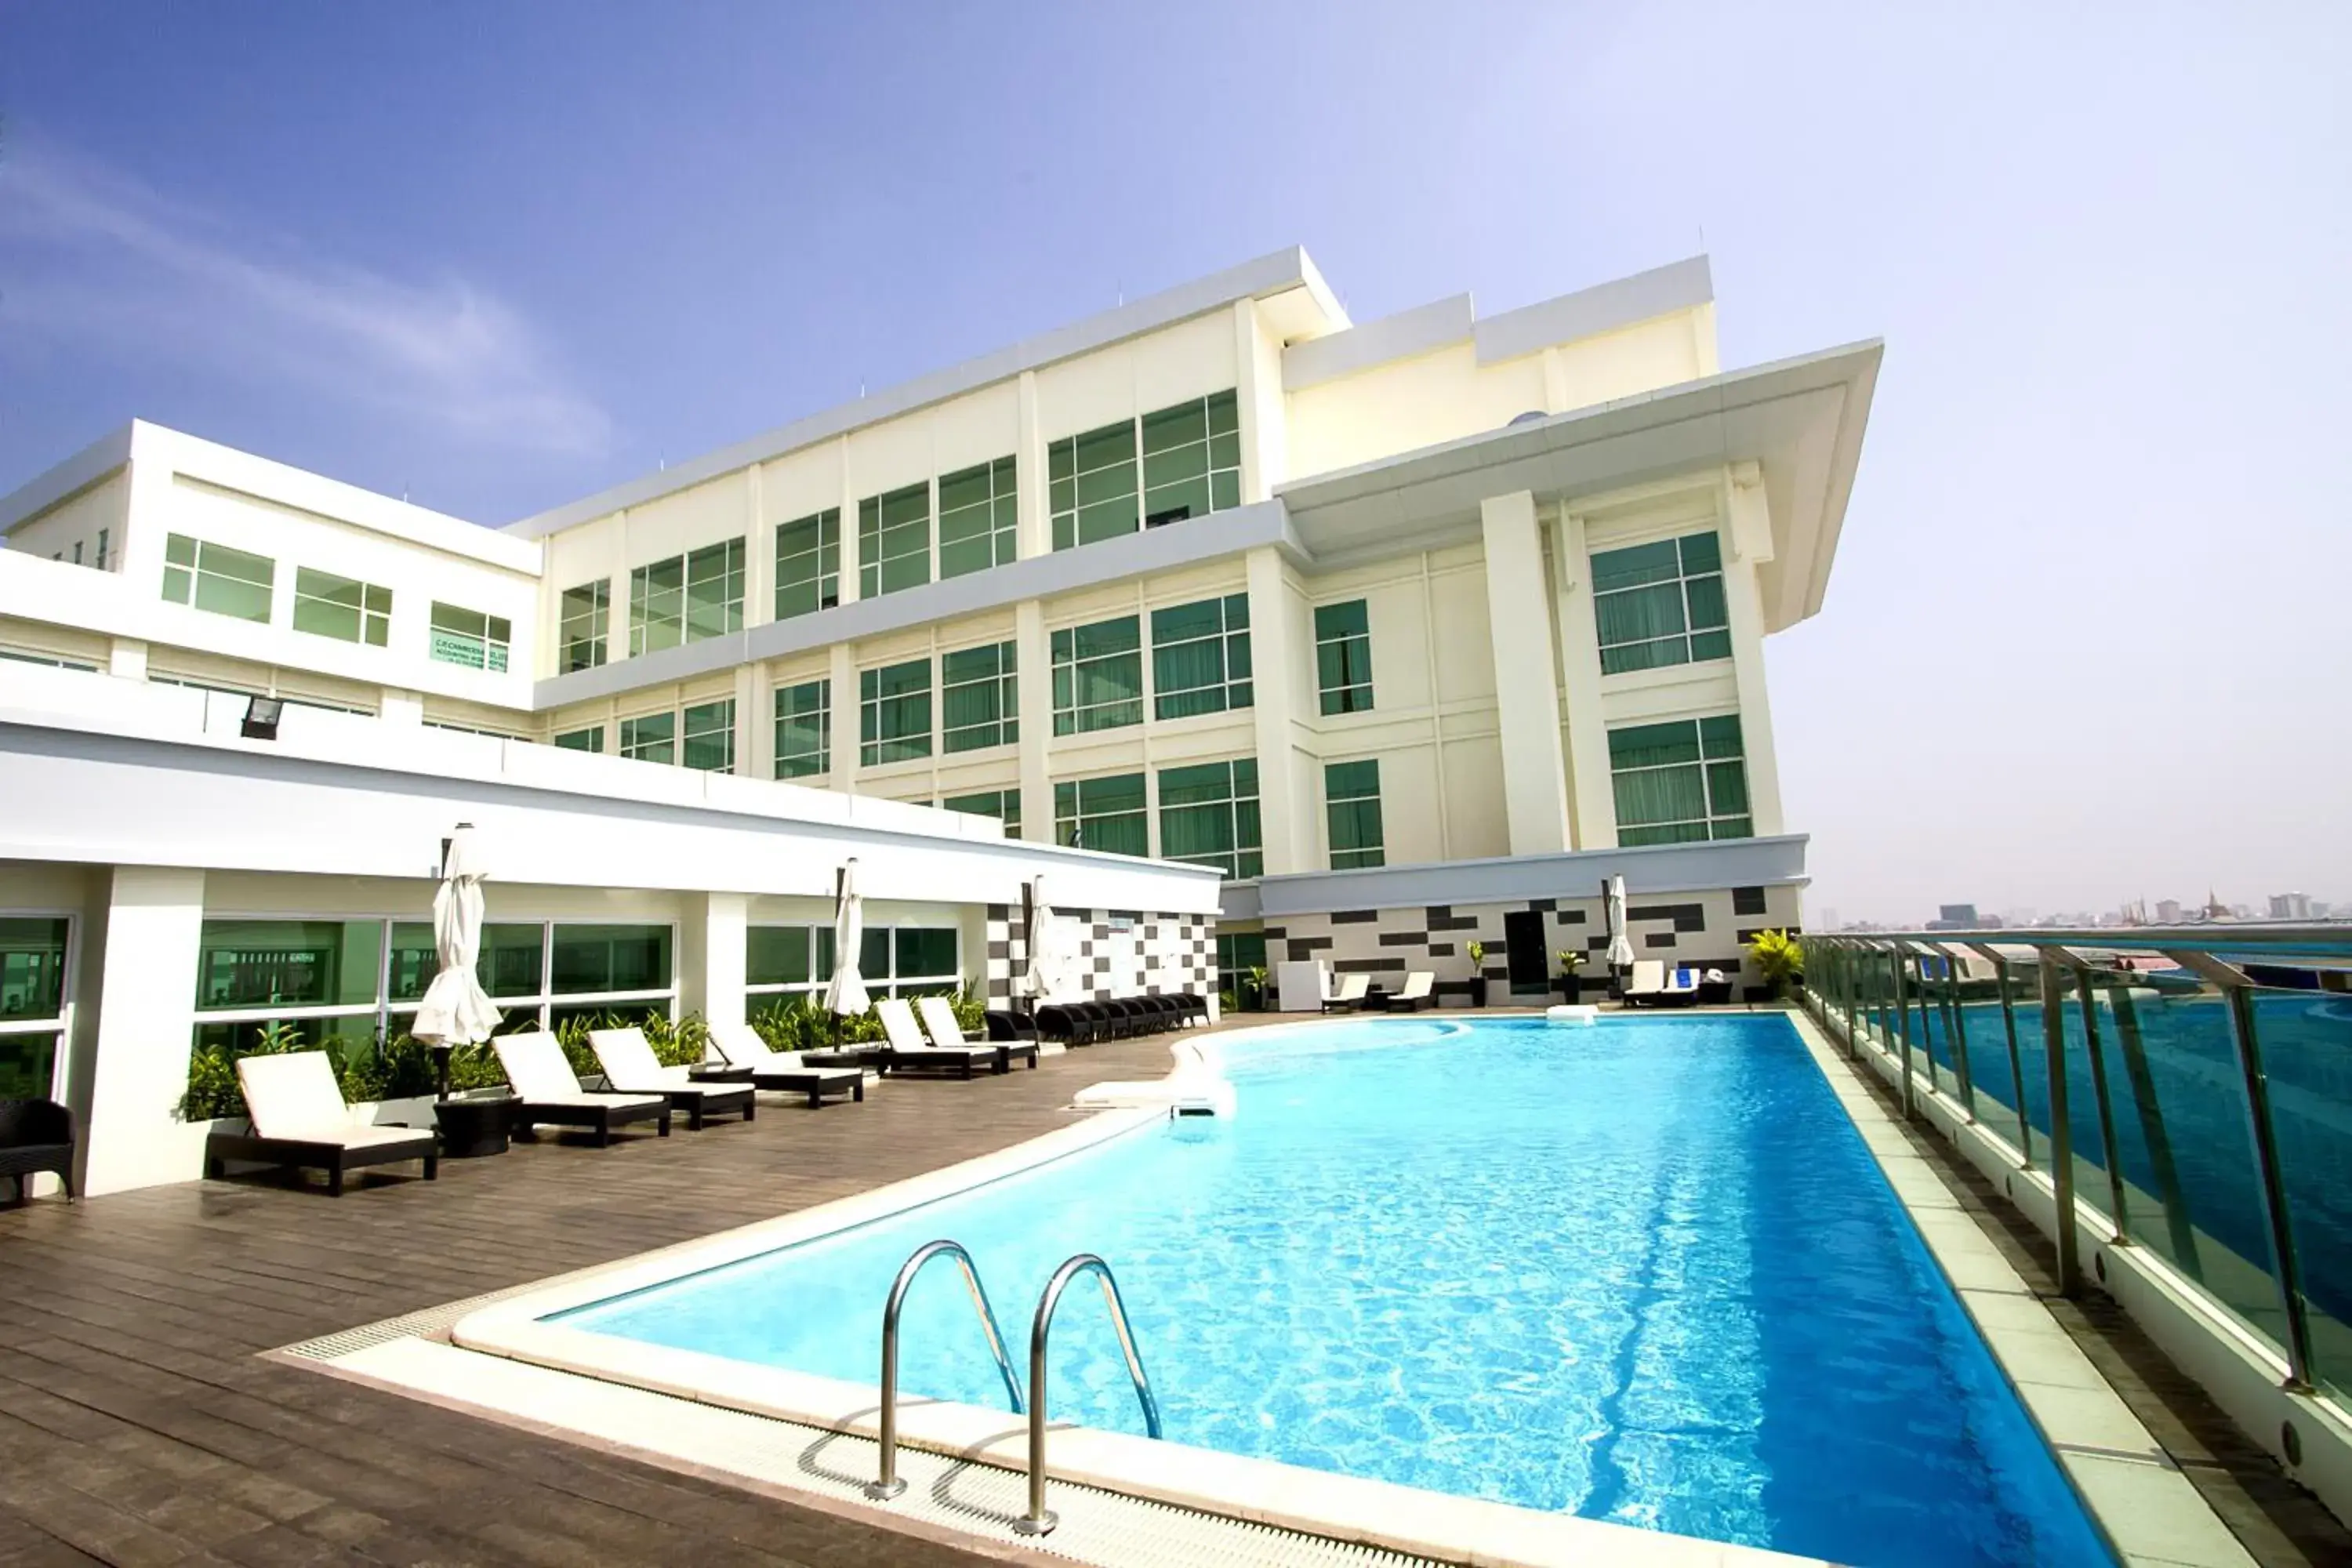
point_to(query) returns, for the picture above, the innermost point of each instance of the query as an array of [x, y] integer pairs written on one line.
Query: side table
[[472, 1127]]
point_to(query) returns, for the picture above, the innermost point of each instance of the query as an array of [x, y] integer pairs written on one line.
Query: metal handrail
[[1040, 1520], [889, 1483], [2216, 954]]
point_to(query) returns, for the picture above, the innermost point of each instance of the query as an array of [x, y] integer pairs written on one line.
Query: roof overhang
[[1801, 420]]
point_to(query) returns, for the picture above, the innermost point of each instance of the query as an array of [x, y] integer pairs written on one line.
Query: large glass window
[[1105, 814], [980, 701], [1098, 676], [510, 968], [32, 1003], [290, 963], [1660, 603], [709, 737], [580, 633], [978, 517], [1191, 460], [469, 637], [330, 607], [894, 712], [1209, 816], [804, 729], [687, 598], [606, 960], [1343, 657], [808, 564], [215, 578], [651, 739], [783, 962], [1238, 952], [1004, 805], [1200, 658], [1091, 489], [1351, 804], [894, 541], [591, 739], [1170, 465], [1680, 782]]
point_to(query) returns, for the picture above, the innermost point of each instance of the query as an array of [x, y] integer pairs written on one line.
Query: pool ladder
[[1040, 1520]]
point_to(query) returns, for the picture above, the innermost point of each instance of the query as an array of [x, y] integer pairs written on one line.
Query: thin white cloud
[[91, 261]]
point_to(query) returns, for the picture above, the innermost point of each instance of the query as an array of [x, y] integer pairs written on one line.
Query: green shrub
[[1780, 957], [399, 1069]]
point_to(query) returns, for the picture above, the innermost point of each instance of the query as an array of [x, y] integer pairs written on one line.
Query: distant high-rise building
[[2167, 911], [1829, 920], [1954, 917], [2290, 906]]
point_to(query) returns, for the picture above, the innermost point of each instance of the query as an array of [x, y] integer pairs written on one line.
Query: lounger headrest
[[291, 1094]]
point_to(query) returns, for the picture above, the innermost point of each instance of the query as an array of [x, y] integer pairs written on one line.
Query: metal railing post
[[2016, 1060], [2087, 995], [2061, 1137], [1040, 1520], [1956, 1027], [2177, 1229], [1902, 960]]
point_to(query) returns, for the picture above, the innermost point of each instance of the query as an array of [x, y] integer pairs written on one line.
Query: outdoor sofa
[[36, 1135], [299, 1122]]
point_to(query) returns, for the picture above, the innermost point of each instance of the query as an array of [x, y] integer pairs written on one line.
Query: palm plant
[[1780, 958]]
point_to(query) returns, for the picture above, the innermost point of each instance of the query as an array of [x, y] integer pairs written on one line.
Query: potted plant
[[1780, 958], [1477, 950], [1253, 997], [1571, 986]]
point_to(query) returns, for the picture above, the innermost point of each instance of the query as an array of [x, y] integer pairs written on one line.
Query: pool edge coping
[[2129, 1485]]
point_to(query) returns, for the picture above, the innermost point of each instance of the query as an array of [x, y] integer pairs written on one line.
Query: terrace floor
[[139, 1425]]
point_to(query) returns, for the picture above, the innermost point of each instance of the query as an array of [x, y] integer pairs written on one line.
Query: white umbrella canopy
[[1048, 959], [846, 993], [1621, 942], [455, 1011]]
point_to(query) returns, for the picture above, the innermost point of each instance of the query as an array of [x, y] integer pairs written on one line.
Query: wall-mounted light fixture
[[262, 714]]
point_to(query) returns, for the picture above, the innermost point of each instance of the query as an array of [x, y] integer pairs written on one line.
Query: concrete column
[[126, 660], [842, 672], [759, 552], [755, 722], [1555, 375], [147, 518], [712, 933], [1590, 795], [1279, 656], [1535, 772], [1033, 658], [1748, 544], [1258, 404], [401, 707], [848, 528], [1034, 531], [138, 1069]]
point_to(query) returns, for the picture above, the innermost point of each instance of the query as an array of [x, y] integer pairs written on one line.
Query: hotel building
[[1392, 636]]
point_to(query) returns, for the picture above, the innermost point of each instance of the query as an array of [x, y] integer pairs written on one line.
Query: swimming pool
[[1644, 1272]]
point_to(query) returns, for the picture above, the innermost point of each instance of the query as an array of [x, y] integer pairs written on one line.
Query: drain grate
[[429, 1323], [1099, 1527]]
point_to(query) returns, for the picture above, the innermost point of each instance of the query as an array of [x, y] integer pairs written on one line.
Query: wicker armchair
[[36, 1135]]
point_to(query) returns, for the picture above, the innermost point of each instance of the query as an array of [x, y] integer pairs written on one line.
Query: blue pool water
[[1644, 1272]]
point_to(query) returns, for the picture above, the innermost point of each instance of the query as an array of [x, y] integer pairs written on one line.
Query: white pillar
[[848, 530], [1258, 406], [401, 707], [759, 552], [1033, 683], [126, 658], [133, 1134], [1527, 701], [841, 673], [1033, 526], [755, 722], [1591, 792], [1748, 544], [712, 957], [1285, 794]]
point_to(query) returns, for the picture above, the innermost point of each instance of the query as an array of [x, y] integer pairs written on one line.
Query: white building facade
[[1413, 631]]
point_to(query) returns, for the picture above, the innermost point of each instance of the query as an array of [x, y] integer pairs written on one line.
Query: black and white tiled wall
[[1121, 952], [1707, 929]]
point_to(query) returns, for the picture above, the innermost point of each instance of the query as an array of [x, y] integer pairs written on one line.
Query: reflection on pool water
[[1644, 1272]]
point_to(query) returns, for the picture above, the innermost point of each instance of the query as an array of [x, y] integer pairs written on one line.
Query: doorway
[[1523, 946]]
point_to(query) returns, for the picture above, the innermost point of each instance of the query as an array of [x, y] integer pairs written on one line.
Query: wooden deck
[[138, 1425]]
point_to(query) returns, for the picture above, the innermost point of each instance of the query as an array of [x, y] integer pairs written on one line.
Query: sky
[[2086, 638]]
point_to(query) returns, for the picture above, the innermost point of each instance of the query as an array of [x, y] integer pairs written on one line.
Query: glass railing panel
[[2191, 1189], [1985, 1033], [2306, 1047], [2089, 1151]]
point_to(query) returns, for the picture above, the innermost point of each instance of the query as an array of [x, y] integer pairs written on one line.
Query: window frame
[[1235, 686], [1004, 806], [595, 732], [871, 705], [759, 997], [207, 562], [1071, 669], [1343, 658], [882, 569], [1359, 855], [822, 711], [496, 638], [995, 541], [1069, 826], [372, 614], [717, 718], [1244, 856], [596, 615], [1692, 642], [1003, 729], [822, 576], [55, 1025], [1716, 771], [636, 744]]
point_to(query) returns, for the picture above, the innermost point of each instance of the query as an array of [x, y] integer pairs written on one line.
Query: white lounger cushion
[[907, 1037], [295, 1097], [537, 1071], [741, 1046], [940, 1020], [1417, 985], [1649, 975], [631, 1066]]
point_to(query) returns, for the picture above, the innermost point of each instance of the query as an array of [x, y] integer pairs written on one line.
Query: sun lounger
[[1682, 988], [939, 1023], [1418, 992], [552, 1096], [300, 1122], [1645, 984], [784, 1072], [1714, 989], [1348, 995], [631, 1067], [910, 1052]]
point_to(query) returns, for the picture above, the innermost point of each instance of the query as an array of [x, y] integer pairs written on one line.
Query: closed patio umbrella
[[455, 1011], [846, 994], [1048, 960], [1621, 941]]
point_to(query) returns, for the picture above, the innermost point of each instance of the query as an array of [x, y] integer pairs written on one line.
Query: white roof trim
[[1603, 308], [77, 473], [1267, 275]]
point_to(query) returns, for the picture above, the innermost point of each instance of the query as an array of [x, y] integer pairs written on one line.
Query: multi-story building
[[1418, 630]]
